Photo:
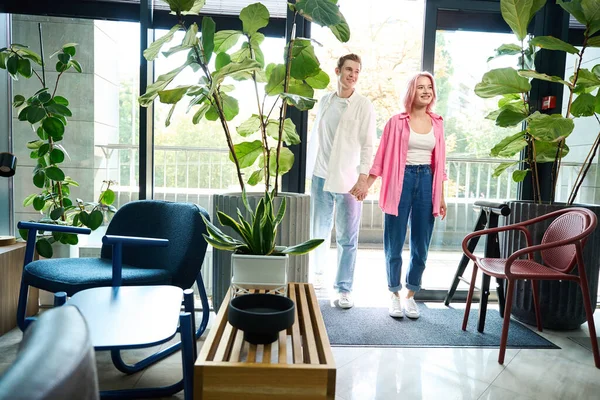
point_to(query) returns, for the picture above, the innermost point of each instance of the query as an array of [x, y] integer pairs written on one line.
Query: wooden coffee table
[[299, 365]]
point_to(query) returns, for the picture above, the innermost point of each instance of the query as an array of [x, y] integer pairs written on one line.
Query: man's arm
[[366, 135]]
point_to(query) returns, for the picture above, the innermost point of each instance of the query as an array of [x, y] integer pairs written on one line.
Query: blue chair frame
[[117, 243]]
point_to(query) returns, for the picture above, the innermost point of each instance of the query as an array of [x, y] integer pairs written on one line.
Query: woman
[[411, 163]]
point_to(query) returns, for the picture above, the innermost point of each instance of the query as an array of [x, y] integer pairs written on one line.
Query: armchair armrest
[[482, 232], [38, 226], [117, 243]]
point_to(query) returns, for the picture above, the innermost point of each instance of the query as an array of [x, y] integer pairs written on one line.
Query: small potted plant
[[257, 263]]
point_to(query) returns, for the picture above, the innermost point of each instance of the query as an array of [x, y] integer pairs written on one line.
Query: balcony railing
[[192, 174]]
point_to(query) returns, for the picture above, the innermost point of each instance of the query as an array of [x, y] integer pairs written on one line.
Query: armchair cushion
[[56, 360], [72, 275]]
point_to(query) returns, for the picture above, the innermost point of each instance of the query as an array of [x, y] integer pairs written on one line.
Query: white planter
[[258, 272]]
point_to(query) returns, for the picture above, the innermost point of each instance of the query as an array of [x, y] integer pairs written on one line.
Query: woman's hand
[[443, 208]]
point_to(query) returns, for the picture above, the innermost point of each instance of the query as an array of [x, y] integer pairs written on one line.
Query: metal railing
[[192, 174]]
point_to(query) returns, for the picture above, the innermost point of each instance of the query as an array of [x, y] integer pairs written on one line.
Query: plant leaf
[[249, 126], [254, 17], [546, 152], [584, 105], [256, 177], [509, 49], [321, 12], [224, 40], [303, 248], [318, 81], [510, 116], [286, 161], [56, 174], [247, 153], [304, 60], [161, 83], [172, 96], [276, 78], [341, 31], [552, 43], [543, 77], [509, 146], [300, 102], [208, 38], [549, 128], [519, 175], [516, 13], [44, 248], [289, 134], [503, 167], [502, 81], [152, 51]]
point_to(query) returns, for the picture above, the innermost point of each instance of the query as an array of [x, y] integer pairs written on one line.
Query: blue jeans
[[415, 203], [347, 224]]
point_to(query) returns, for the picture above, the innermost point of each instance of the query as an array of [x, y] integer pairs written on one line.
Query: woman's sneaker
[[395, 309], [410, 308]]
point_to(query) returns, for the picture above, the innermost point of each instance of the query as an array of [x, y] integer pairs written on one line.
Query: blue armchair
[[148, 242]]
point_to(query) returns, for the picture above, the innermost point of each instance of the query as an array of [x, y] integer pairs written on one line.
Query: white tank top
[[420, 148]]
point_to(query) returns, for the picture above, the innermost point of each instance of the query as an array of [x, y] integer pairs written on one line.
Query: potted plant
[[47, 112], [542, 137], [290, 83], [257, 263]]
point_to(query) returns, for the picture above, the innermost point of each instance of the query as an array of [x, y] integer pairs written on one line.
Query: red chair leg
[[590, 320], [506, 323], [535, 285], [469, 297]]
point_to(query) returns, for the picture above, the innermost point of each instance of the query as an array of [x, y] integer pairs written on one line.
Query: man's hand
[[360, 188], [443, 208]]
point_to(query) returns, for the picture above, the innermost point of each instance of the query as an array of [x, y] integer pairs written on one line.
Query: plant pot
[[561, 302], [261, 316], [294, 229], [258, 272]]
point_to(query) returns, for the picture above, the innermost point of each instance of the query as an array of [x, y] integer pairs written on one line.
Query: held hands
[[360, 189]]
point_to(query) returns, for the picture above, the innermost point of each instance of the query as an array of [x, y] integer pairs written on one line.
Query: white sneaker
[[395, 309], [345, 300], [410, 308], [319, 282]]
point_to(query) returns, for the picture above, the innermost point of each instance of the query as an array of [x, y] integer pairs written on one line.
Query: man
[[339, 158]]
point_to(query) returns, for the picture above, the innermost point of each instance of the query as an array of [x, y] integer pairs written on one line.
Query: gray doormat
[[437, 327], [584, 341]]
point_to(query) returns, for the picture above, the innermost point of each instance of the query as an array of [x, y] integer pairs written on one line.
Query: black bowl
[[261, 316]]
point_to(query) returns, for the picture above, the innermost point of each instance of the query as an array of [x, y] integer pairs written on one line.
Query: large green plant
[[543, 135], [290, 83], [257, 233], [48, 113]]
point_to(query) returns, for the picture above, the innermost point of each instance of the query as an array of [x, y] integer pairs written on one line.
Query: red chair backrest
[[567, 226]]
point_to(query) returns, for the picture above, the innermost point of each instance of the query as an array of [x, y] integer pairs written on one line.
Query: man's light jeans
[[347, 223]]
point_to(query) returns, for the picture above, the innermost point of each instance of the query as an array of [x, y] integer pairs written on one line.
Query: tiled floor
[[410, 373]]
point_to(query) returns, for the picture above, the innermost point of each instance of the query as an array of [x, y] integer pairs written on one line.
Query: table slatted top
[[305, 343]]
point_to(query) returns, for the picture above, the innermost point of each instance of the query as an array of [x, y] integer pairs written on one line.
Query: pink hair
[[411, 91]]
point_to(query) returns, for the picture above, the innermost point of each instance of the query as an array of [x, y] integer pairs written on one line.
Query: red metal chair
[[561, 250]]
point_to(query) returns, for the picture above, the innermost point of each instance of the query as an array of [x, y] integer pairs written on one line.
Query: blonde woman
[[411, 162]]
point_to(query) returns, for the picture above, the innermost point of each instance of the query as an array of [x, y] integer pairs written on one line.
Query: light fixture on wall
[[8, 164]]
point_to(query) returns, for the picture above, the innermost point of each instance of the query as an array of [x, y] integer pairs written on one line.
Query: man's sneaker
[[410, 308], [345, 300], [395, 309]]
